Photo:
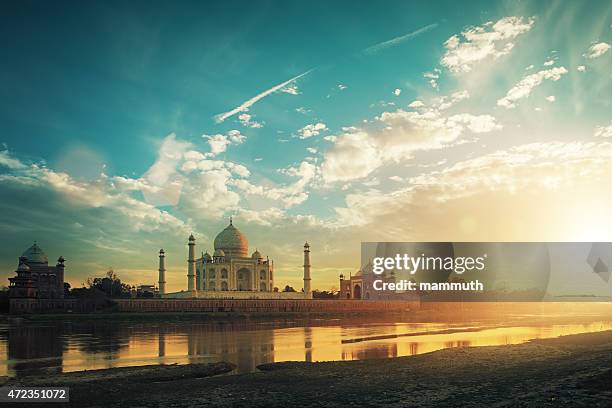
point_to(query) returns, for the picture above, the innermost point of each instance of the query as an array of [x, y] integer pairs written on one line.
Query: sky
[[124, 127]]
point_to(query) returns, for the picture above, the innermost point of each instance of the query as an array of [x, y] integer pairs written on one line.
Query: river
[[52, 346]]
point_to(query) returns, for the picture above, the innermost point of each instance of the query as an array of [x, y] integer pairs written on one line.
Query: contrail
[[368, 51], [397, 40], [247, 104]]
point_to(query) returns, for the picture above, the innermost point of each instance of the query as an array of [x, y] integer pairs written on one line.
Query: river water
[[52, 346]]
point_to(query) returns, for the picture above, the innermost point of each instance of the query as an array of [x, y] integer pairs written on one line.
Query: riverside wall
[[264, 305]]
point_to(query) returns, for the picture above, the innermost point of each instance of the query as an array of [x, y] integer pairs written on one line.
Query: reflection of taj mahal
[[230, 272]]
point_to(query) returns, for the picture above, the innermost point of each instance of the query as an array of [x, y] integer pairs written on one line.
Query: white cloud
[[581, 68], [416, 104], [342, 87], [235, 136], [357, 152], [250, 102], [397, 92], [490, 40], [535, 167], [218, 144], [549, 63], [287, 196], [551, 98], [291, 89], [311, 130], [446, 102], [524, 87], [163, 173], [111, 194], [7, 161], [597, 50], [354, 155], [603, 131], [245, 119]]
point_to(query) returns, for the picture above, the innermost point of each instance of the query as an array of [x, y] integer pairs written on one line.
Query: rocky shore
[[567, 371]]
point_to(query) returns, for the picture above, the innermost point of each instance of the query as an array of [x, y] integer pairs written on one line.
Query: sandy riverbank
[[572, 370]]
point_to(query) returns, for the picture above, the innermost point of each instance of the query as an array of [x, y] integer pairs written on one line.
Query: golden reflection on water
[[62, 347]]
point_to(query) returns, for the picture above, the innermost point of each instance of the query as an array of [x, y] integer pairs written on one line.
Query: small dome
[[191, 238], [256, 255], [206, 256], [23, 267], [219, 252], [35, 255], [232, 242]]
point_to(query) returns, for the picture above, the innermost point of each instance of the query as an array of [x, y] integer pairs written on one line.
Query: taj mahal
[[230, 272]]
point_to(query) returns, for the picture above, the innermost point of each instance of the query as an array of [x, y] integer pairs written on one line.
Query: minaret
[[191, 265], [162, 272], [307, 291]]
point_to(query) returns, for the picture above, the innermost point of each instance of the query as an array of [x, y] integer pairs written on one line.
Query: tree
[[66, 289], [111, 285], [323, 294], [288, 289]]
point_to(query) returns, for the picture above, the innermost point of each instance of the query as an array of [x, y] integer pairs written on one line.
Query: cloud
[[374, 49], [433, 77], [245, 119], [549, 63], [446, 102], [7, 161], [603, 131], [291, 89], [524, 87], [311, 130], [489, 41], [105, 194], [353, 156], [162, 175], [597, 50], [357, 152], [581, 68], [286, 196], [535, 168], [342, 87], [416, 104], [218, 143], [250, 102], [397, 92], [551, 98]]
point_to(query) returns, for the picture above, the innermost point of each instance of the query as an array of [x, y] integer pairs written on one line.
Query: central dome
[[232, 242]]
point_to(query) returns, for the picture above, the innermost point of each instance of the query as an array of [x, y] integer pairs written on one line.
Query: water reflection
[[62, 346]]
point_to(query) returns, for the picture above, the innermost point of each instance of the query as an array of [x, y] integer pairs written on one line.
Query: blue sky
[[112, 145]]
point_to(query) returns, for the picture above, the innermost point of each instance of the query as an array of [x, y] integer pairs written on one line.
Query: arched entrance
[[243, 279], [357, 292]]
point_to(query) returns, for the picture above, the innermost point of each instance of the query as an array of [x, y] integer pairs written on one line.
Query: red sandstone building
[[36, 280]]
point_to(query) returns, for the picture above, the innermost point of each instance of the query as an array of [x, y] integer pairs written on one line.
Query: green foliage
[[110, 285]]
